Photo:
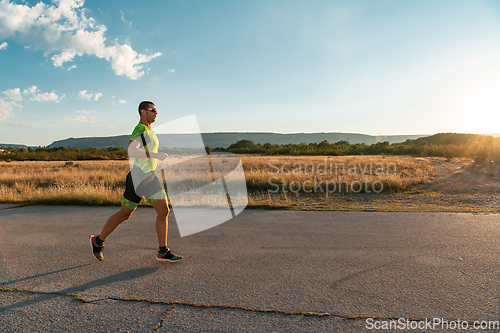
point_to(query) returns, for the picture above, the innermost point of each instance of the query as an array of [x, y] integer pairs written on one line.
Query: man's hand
[[160, 156]]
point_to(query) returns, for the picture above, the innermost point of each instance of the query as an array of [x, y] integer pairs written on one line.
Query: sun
[[481, 113]]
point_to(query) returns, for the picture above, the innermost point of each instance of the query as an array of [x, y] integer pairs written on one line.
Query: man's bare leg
[[162, 211], [164, 254], [114, 221]]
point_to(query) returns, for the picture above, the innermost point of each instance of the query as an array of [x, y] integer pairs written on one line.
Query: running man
[[143, 148]]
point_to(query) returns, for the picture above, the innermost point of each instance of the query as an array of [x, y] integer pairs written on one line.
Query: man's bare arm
[[134, 150]]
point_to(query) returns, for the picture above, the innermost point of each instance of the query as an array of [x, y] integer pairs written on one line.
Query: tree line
[[481, 148]]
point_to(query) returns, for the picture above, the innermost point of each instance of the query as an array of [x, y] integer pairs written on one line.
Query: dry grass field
[[394, 172], [81, 183], [384, 183]]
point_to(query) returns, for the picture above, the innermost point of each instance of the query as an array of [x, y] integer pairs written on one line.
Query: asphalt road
[[262, 271]]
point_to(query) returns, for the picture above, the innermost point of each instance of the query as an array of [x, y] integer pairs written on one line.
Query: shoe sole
[[92, 248]]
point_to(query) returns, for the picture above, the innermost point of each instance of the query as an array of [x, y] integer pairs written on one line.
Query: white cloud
[[31, 90], [44, 97], [83, 111], [78, 119], [14, 94], [70, 68], [83, 95], [123, 18], [6, 109], [122, 101], [3, 46], [64, 29], [171, 70], [102, 126], [6, 113]]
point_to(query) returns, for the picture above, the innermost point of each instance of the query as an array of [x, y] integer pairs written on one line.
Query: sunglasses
[[153, 110]]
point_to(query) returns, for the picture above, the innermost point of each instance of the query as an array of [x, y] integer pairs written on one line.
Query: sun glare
[[482, 111]]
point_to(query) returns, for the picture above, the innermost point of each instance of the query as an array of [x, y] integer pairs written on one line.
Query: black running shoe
[[96, 249], [168, 256]]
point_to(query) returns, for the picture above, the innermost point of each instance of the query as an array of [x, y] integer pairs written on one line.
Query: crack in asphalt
[[164, 315], [196, 305], [76, 297]]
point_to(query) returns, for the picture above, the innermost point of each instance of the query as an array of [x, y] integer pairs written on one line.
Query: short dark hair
[[144, 105]]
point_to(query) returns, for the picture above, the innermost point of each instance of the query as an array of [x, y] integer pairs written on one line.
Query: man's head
[[145, 105], [147, 111]]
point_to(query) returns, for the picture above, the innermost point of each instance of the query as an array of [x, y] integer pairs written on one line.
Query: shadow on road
[[120, 277], [44, 274]]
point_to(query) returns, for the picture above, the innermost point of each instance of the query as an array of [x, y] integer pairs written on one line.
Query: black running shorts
[[151, 188]]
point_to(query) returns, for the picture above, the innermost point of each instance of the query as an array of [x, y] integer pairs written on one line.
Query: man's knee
[[161, 207], [163, 211], [125, 214]]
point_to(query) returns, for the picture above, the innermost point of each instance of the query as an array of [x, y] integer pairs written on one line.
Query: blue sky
[[79, 68]]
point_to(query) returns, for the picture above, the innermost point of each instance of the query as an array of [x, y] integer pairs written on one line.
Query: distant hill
[[452, 138], [224, 140], [8, 145]]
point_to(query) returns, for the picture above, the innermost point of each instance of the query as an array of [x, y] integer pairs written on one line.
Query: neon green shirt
[[152, 144]]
